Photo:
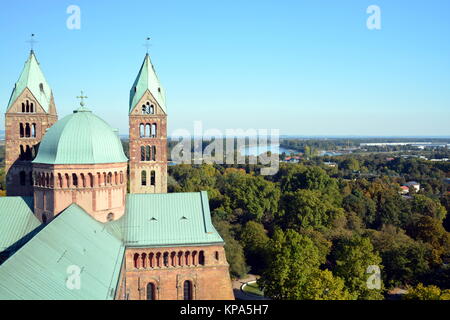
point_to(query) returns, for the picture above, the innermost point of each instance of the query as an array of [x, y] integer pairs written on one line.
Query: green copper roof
[[147, 80], [33, 79], [80, 138], [16, 220], [39, 270], [166, 219]]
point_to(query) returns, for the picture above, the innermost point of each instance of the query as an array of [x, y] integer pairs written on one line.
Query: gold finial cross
[[82, 98], [32, 41]]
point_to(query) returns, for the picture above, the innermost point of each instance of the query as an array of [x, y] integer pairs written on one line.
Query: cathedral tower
[[148, 133], [31, 111]]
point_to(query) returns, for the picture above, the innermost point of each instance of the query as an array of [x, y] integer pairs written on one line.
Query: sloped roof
[[33, 79], [39, 270], [16, 220], [147, 80], [80, 138], [166, 219]]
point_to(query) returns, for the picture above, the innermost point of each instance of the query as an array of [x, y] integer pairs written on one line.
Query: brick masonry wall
[[211, 281], [159, 165]]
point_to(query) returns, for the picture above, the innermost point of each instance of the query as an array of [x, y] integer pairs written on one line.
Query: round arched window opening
[[110, 217]]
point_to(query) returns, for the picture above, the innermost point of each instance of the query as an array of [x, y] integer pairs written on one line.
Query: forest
[[311, 231]]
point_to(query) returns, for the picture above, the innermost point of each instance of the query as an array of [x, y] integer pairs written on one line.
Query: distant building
[[404, 190], [330, 164], [413, 184]]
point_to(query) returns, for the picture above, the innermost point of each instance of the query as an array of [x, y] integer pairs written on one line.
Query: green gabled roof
[[166, 219], [39, 269], [16, 220], [147, 80], [32, 78], [80, 138]]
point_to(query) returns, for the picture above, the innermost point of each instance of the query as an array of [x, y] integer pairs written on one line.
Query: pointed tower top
[[147, 80], [33, 79]]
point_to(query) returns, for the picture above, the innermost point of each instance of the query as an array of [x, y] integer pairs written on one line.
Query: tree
[[428, 207], [322, 285], [351, 257], [431, 231], [293, 261], [254, 239], [257, 197], [421, 292], [363, 206], [233, 250], [350, 164], [307, 209]]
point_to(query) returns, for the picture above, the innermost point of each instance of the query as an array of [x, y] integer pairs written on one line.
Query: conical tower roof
[[33, 79], [147, 80]]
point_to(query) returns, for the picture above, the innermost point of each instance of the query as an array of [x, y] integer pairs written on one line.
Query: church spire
[[32, 78], [147, 80]]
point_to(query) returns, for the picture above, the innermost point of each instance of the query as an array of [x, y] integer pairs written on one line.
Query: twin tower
[[31, 112]]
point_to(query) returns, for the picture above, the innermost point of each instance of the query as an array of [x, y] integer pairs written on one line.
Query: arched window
[[60, 181], [216, 255], [116, 181], [33, 130], [90, 180], [27, 130], [23, 107], [147, 153], [166, 259], [32, 106], [153, 130], [22, 130], [143, 178], [33, 152], [83, 180], [121, 177], [110, 217], [27, 107], [187, 290], [151, 291], [152, 178], [158, 259], [23, 177], [144, 260], [109, 178], [152, 109], [201, 258], [136, 260], [142, 153], [180, 258], [22, 153], [67, 181], [141, 130], [151, 263], [74, 180], [153, 153], [28, 153], [144, 109], [44, 218], [147, 130], [194, 258], [173, 261], [31, 178], [187, 261]]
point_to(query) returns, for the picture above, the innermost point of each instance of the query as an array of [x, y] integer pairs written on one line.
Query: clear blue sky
[[305, 67]]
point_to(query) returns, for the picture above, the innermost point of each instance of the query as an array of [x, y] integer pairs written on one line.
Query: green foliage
[[322, 285], [404, 259], [293, 260], [307, 209], [428, 207], [351, 257], [233, 249], [421, 292], [431, 231], [254, 239]]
